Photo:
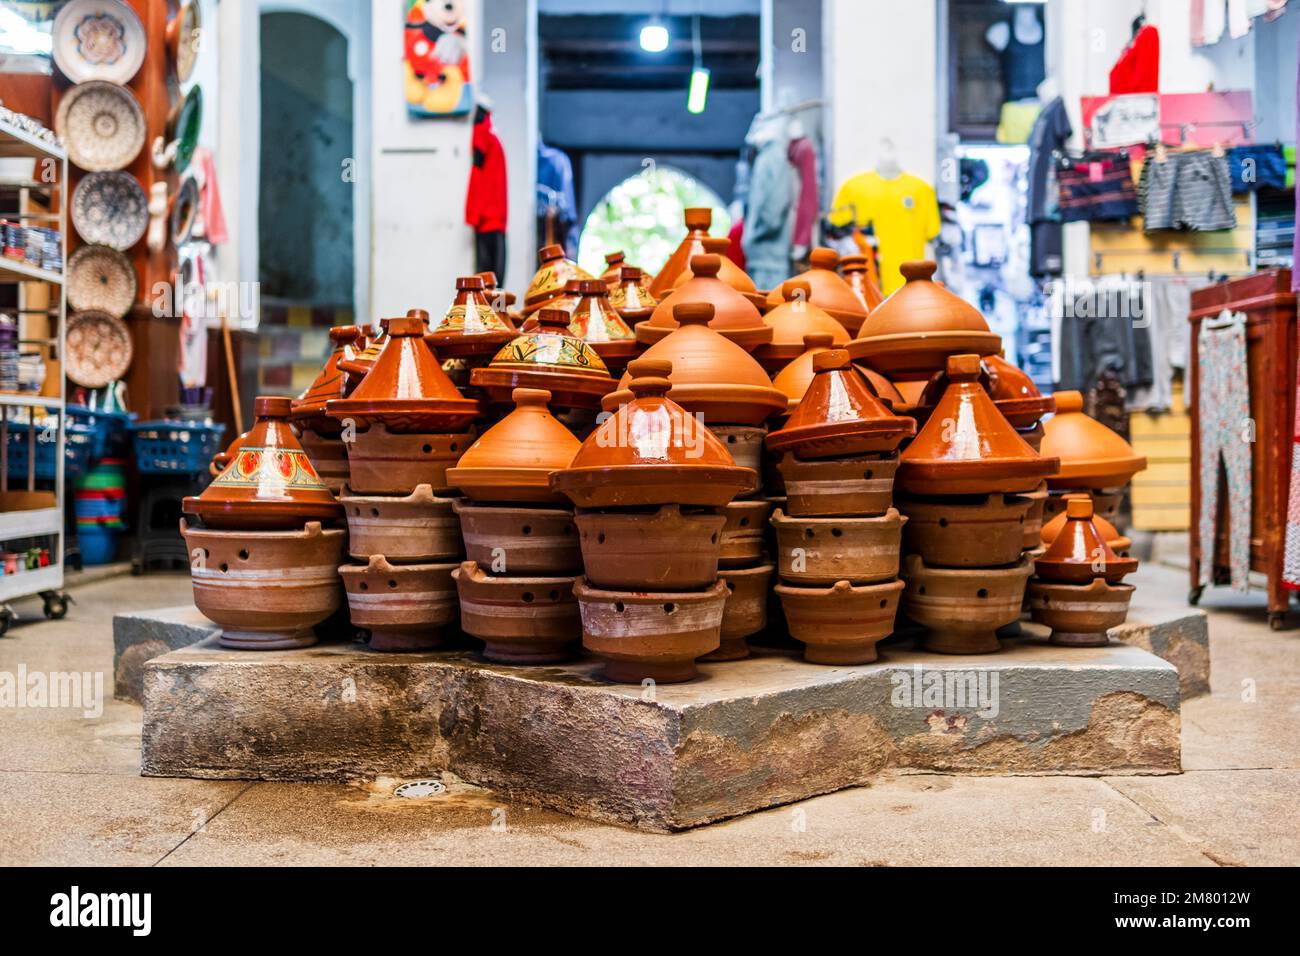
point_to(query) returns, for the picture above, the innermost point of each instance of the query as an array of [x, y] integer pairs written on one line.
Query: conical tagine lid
[[470, 326], [857, 274], [1012, 391], [795, 378], [513, 460], [270, 485], [791, 321], [548, 357], [1109, 533], [1080, 552], [698, 221], [551, 277], [614, 263], [730, 273], [652, 452], [1092, 456], [827, 290], [839, 415], [309, 407], [733, 315], [967, 447], [630, 296], [711, 375], [594, 320]]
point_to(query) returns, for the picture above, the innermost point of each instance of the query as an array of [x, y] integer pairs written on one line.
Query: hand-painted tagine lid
[[614, 264], [856, 274], [1012, 391], [269, 485], [734, 316], [554, 273], [630, 296], [547, 356], [711, 375], [698, 221], [513, 459], [1092, 456], [794, 318], [967, 447], [406, 390], [1080, 554], [309, 407], [839, 415], [594, 320], [652, 452], [1109, 533], [912, 333], [470, 326], [730, 273], [827, 290]]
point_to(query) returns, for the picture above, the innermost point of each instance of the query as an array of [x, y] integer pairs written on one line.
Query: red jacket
[[1138, 68], [485, 202]]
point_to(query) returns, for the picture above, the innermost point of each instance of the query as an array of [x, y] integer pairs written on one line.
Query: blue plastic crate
[[173, 447], [110, 429], [78, 442]]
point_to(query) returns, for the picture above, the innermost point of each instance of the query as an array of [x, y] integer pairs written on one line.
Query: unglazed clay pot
[[1109, 533], [863, 485], [887, 391], [1079, 553], [840, 624], [965, 532], [745, 612], [742, 534], [270, 485], [734, 317], [630, 296], [744, 442], [470, 327], [652, 452], [1106, 502], [967, 446], [406, 607], [593, 319], [651, 636], [1092, 456], [328, 455], [839, 415], [664, 550], [911, 334], [520, 620], [821, 551], [513, 460], [266, 590], [1034, 518], [795, 378], [520, 541], [827, 290], [547, 356], [385, 463], [790, 322], [712, 376], [552, 275], [729, 272], [698, 220], [962, 608], [1079, 614], [855, 272], [406, 529], [308, 409]]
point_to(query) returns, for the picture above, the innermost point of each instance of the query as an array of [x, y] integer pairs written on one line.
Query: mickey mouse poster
[[436, 58]]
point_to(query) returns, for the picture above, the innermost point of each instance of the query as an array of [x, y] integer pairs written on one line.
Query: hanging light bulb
[[654, 37], [699, 90]]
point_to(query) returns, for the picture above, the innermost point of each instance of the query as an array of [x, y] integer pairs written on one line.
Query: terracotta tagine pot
[[405, 529], [614, 263], [840, 624], [644, 635], [827, 290], [911, 334], [406, 390], [652, 452], [381, 462], [547, 356], [854, 270], [965, 532], [1079, 553], [795, 378], [745, 612], [470, 327], [1012, 391], [405, 607], [962, 608], [861, 485], [698, 221], [821, 551], [520, 541], [1034, 518], [1092, 456], [356, 368], [307, 411], [266, 590], [270, 484], [743, 532], [734, 316], [520, 620], [549, 281], [1079, 614], [223, 458], [1109, 533], [967, 446], [793, 320], [664, 550], [729, 272], [630, 296], [593, 319], [711, 376], [512, 461], [744, 442], [1105, 502], [328, 455]]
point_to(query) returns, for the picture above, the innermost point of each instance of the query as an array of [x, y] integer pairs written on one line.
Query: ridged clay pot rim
[[890, 517], [717, 591], [475, 577], [1097, 586], [310, 531], [839, 589], [912, 563], [377, 566], [422, 495]]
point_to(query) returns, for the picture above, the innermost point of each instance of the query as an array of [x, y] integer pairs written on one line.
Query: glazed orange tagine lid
[[308, 409], [547, 356], [839, 415], [1109, 533], [711, 375], [857, 275], [1012, 391], [967, 447], [913, 332], [630, 296], [554, 273], [886, 391], [795, 378], [698, 221], [1080, 552], [513, 460], [406, 390], [594, 320], [827, 290], [1092, 456], [733, 315], [269, 485], [470, 326], [791, 321], [652, 452], [730, 273]]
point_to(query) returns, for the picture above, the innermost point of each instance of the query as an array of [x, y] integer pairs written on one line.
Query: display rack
[[28, 512]]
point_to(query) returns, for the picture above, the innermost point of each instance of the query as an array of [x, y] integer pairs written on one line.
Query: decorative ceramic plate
[[102, 125], [98, 40], [98, 349], [110, 209], [187, 39], [185, 209], [101, 279], [187, 128]]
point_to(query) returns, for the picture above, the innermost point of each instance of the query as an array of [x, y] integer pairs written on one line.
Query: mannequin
[[1025, 23], [1019, 41], [887, 162]]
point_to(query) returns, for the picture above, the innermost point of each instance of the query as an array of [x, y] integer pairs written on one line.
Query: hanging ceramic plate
[[187, 128], [184, 34], [110, 209], [98, 349], [101, 279], [185, 208], [102, 125], [98, 40]]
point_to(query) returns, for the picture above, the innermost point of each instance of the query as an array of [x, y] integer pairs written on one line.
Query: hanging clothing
[[1250, 167], [803, 158], [736, 251], [1098, 333], [1291, 546], [1096, 188], [1051, 130], [1223, 404], [210, 209], [1016, 121], [1191, 191], [1023, 64], [1138, 68], [485, 201], [770, 215], [490, 252], [1167, 303], [1046, 249], [903, 212], [555, 195]]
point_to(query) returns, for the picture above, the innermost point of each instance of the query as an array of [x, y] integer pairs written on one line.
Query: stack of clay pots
[[1094, 459], [826, 289], [1078, 591], [648, 484], [318, 433], [264, 562], [838, 545], [516, 588], [408, 425]]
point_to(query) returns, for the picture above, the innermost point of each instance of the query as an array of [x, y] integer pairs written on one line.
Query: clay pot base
[[729, 649], [745, 612], [742, 533], [395, 463], [1080, 615], [978, 642], [527, 541], [977, 531], [841, 624], [521, 620], [668, 549], [328, 455], [962, 608], [407, 607], [403, 528], [822, 551], [399, 640], [847, 486], [745, 444], [266, 640]]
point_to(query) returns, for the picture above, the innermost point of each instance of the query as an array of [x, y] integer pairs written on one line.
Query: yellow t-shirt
[[903, 211]]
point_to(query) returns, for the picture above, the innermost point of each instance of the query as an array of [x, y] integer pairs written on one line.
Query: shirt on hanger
[[1138, 68], [1051, 130], [904, 213]]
